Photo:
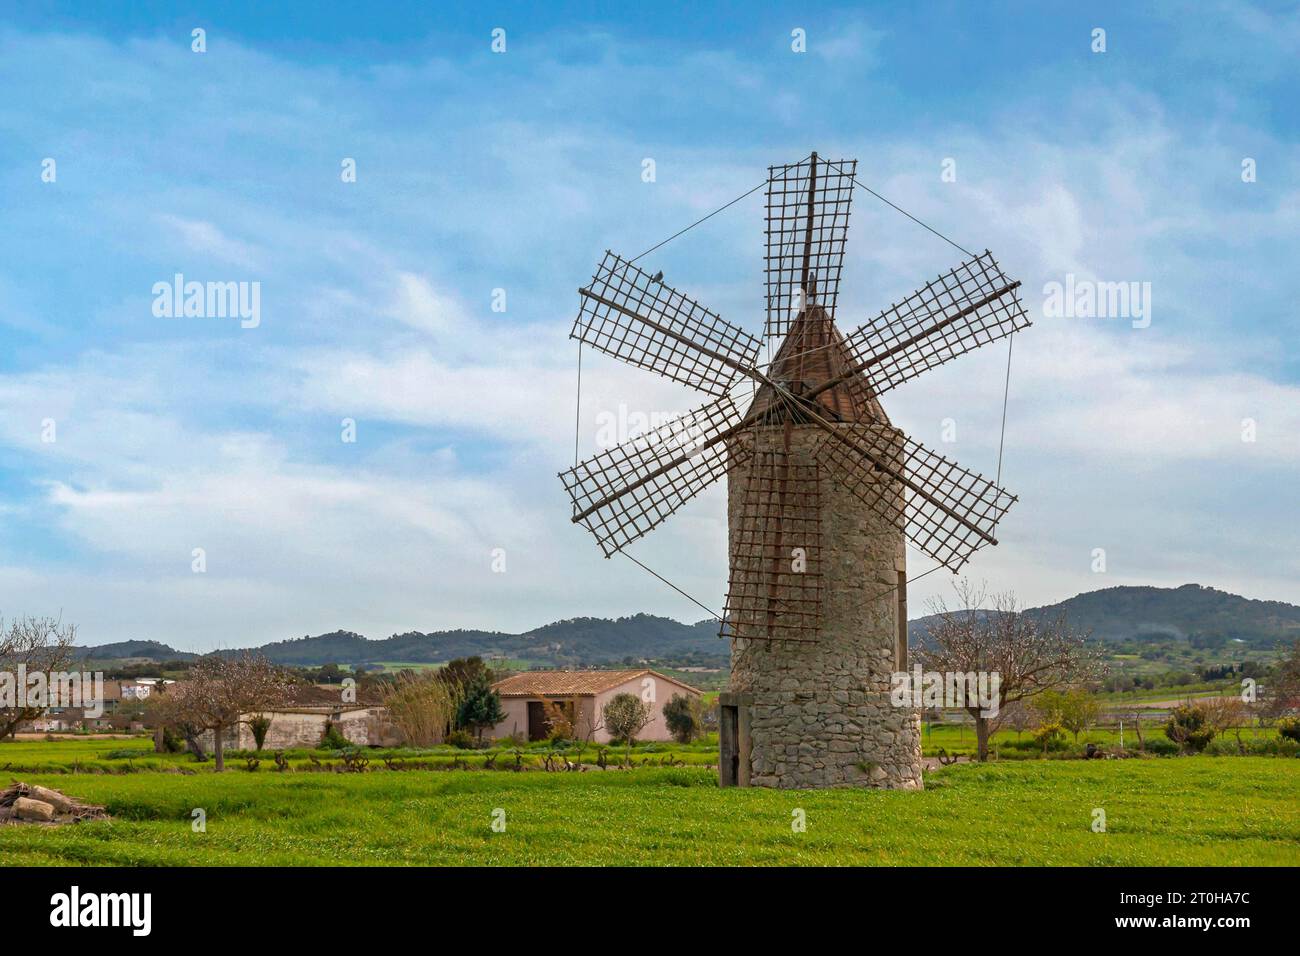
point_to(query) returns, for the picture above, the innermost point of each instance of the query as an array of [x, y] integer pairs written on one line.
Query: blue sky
[[478, 171]]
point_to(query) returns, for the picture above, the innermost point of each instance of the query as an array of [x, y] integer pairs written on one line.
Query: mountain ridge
[[1190, 612]]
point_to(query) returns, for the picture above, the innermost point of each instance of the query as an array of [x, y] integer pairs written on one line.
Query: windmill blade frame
[[625, 492], [970, 306], [774, 585], [807, 222], [948, 512], [629, 314]]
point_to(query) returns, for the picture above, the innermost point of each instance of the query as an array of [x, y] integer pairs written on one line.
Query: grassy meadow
[[1009, 745], [98, 755], [1168, 811]]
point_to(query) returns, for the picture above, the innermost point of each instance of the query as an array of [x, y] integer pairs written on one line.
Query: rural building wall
[[516, 722], [660, 691], [290, 729]]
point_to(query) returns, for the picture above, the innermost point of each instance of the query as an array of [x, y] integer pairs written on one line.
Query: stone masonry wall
[[298, 728], [820, 714]]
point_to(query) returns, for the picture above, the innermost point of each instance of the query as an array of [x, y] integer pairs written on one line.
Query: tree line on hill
[[1189, 615]]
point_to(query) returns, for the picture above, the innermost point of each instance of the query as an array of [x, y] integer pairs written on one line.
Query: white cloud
[[206, 238], [420, 306]]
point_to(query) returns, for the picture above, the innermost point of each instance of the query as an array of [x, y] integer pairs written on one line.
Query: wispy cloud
[[205, 238]]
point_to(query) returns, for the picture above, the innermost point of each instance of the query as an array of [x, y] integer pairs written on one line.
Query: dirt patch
[[28, 803]]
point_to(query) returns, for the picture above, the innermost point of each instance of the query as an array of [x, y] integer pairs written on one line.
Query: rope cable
[[1006, 393], [900, 209]]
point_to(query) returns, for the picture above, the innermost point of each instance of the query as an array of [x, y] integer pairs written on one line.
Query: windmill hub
[[823, 491]]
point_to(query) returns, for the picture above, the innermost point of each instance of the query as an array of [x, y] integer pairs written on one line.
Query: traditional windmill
[[822, 488]]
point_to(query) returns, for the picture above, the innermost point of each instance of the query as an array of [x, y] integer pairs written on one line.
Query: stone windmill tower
[[823, 490]]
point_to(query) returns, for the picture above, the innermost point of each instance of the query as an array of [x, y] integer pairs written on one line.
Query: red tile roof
[[572, 683]]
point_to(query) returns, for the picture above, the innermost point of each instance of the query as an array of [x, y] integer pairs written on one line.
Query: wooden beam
[[807, 235]]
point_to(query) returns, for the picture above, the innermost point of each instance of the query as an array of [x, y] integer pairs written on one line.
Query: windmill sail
[[625, 492], [971, 306], [947, 511], [631, 315], [807, 227], [774, 591]]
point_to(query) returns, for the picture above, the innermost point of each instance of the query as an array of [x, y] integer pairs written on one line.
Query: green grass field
[[91, 754], [1172, 811], [1008, 745]]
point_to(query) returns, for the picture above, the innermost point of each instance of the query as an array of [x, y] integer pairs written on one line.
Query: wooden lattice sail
[[819, 379]]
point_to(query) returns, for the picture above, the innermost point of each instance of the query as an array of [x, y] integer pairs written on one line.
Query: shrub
[[172, 741], [1253, 747], [680, 717], [259, 725], [128, 754], [1050, 736], [462, 740], [1225, 748], [1289, 728], [1161, 747], [333, 739], [1189, 728]]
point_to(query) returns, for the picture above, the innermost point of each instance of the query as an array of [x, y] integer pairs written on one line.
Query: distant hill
[[144, 650], [1191, 612], [1139, 614], [583, 640]]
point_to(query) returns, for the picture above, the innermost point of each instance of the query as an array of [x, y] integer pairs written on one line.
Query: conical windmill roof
[[814, 352]]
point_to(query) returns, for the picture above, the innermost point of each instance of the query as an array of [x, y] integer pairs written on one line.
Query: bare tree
[[221, 690], [560, 718], [567, 719], [1227, 713], [1030, 654], [1134, 717], [586, 723], [173, 711], [36, 644], [1283, 696]]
